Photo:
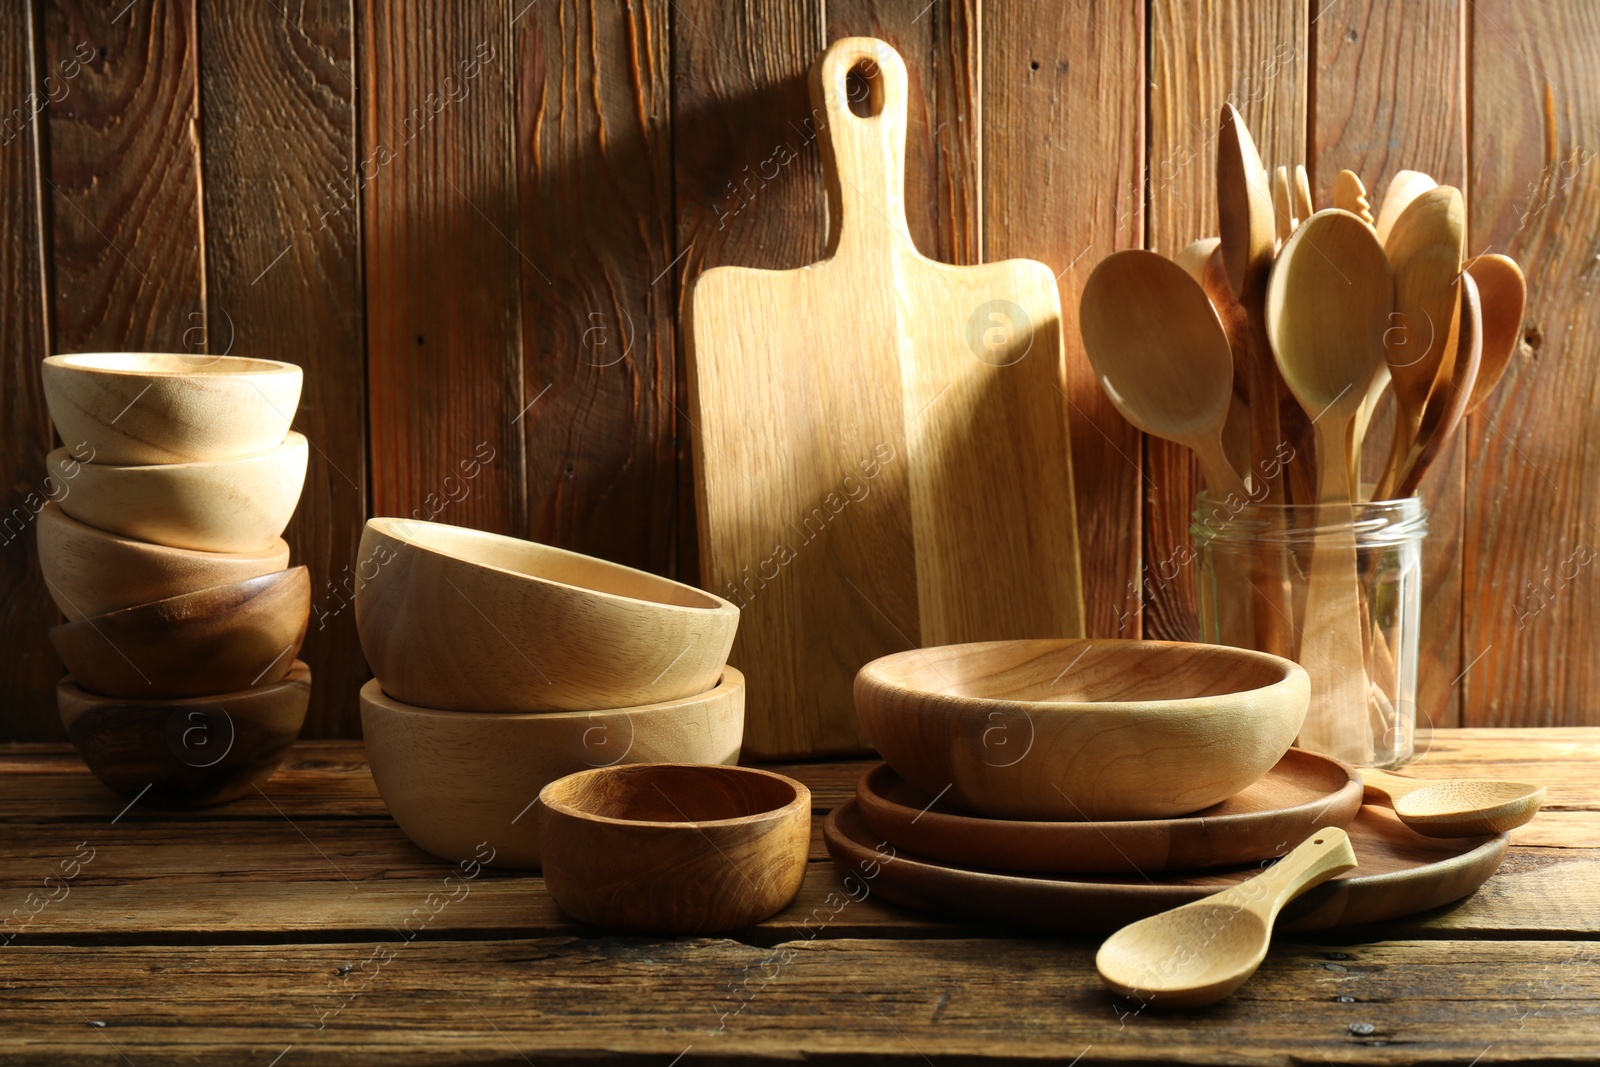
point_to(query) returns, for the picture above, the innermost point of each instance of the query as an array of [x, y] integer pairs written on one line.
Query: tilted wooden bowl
[[216, 640], [161, 407], [1075, 729], [222, 505], [189, 752], [671, 849], [90, 572], [459, 619], [455, 779]]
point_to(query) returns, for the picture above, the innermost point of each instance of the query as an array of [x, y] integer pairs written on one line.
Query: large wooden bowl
[[670, 849], [190, 752], [1074, 729], [460, 619], [223, 505], [216, 640], [455, 779], [90, 572], [159, 407]]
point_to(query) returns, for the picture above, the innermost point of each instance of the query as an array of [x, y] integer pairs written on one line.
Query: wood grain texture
[[1528, 591], [1063, 151], [283, 278], [594, 173], [1391, 95], [123, 176], [436, 181], [27, 684], [1252, 55]]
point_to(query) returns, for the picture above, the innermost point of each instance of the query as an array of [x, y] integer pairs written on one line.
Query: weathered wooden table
[[298, 926]]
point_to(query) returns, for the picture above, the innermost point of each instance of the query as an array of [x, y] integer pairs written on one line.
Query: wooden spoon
[[1161, 355], [1350, 195], [1455, 807], [1303, 208], [1403, 188], [1194, 258], [1328, 305], [1503, 293], [1425, 249], [1199, 953], [1448, 404], [1282, 205]]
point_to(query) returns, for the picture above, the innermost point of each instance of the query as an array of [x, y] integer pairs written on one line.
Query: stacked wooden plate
[[1024, 780], [162, 544]]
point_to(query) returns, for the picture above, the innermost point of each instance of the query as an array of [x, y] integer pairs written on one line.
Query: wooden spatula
[[881, 440]]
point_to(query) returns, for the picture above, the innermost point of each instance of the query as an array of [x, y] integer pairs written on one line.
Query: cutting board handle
[[863, 154]]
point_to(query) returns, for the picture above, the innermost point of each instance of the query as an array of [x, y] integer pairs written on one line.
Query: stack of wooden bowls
[[502, 665], [163, 547]]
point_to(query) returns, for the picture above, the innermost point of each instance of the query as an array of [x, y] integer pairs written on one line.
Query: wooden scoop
[[1197, 954], [1455, 807], [1160, 353]]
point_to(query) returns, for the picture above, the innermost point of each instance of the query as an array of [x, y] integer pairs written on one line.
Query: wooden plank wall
[[472, 222]]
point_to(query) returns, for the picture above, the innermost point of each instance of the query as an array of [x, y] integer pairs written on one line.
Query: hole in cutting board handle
[[863, 88]]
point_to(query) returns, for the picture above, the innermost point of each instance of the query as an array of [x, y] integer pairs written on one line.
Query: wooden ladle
[[1328, 305], [1455, 807], [1161, 355], [1201, 952]]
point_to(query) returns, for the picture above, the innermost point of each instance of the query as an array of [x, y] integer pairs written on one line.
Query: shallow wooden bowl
[[160, 407], [223, 505], [1079, 730], [217, 640], [671, 849], [90, 572], [456, 779], [189, 752], [460, 619]]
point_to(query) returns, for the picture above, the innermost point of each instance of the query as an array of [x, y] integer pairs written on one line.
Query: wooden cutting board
[[881, 450]]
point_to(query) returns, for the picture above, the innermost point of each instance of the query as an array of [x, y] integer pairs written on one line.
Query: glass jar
[[1255, 574]]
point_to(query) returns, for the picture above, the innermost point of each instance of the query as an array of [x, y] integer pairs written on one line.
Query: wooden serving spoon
[[1161, 355], [1328, 305], [1303, 207], [1425, 249], [1403, 188], [1194, 258], [1448, 404], [1350, 195], [1199, 953], [1455, 807], [1503, 292]]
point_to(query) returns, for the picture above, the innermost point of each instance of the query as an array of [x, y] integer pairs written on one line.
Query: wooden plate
[[1304, 792], [1400, 873]]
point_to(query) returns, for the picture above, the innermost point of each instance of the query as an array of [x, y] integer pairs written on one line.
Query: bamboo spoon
[[1161, 355], [1194, 258], [1328, 306], [1282, 205], [1303, 208], [1424, 247], [1455, 807], [1403, 188], [1350, 195], [1503, 293], [1448, 406], [1197, 954]]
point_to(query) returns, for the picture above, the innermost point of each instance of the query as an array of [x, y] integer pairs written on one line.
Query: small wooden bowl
[[455, 779], [190, 752], [218, 640], [665, 848], [225, 505], [160, 407], [90, 572], [1076, 730], [463, 620]]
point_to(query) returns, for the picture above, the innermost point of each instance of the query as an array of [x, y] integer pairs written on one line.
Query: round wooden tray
[[1400, 873], [1304, 792]]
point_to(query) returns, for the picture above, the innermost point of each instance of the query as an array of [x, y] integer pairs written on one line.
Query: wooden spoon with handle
[[1161, 356], [1199, 953], [1328, 306], [1455, 807], [1448, 404], [1303, 207], [1503, 293]]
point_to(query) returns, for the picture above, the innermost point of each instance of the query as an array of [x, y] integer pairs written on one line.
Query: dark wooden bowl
[[219, 640], [190, 752], [673, 848]]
